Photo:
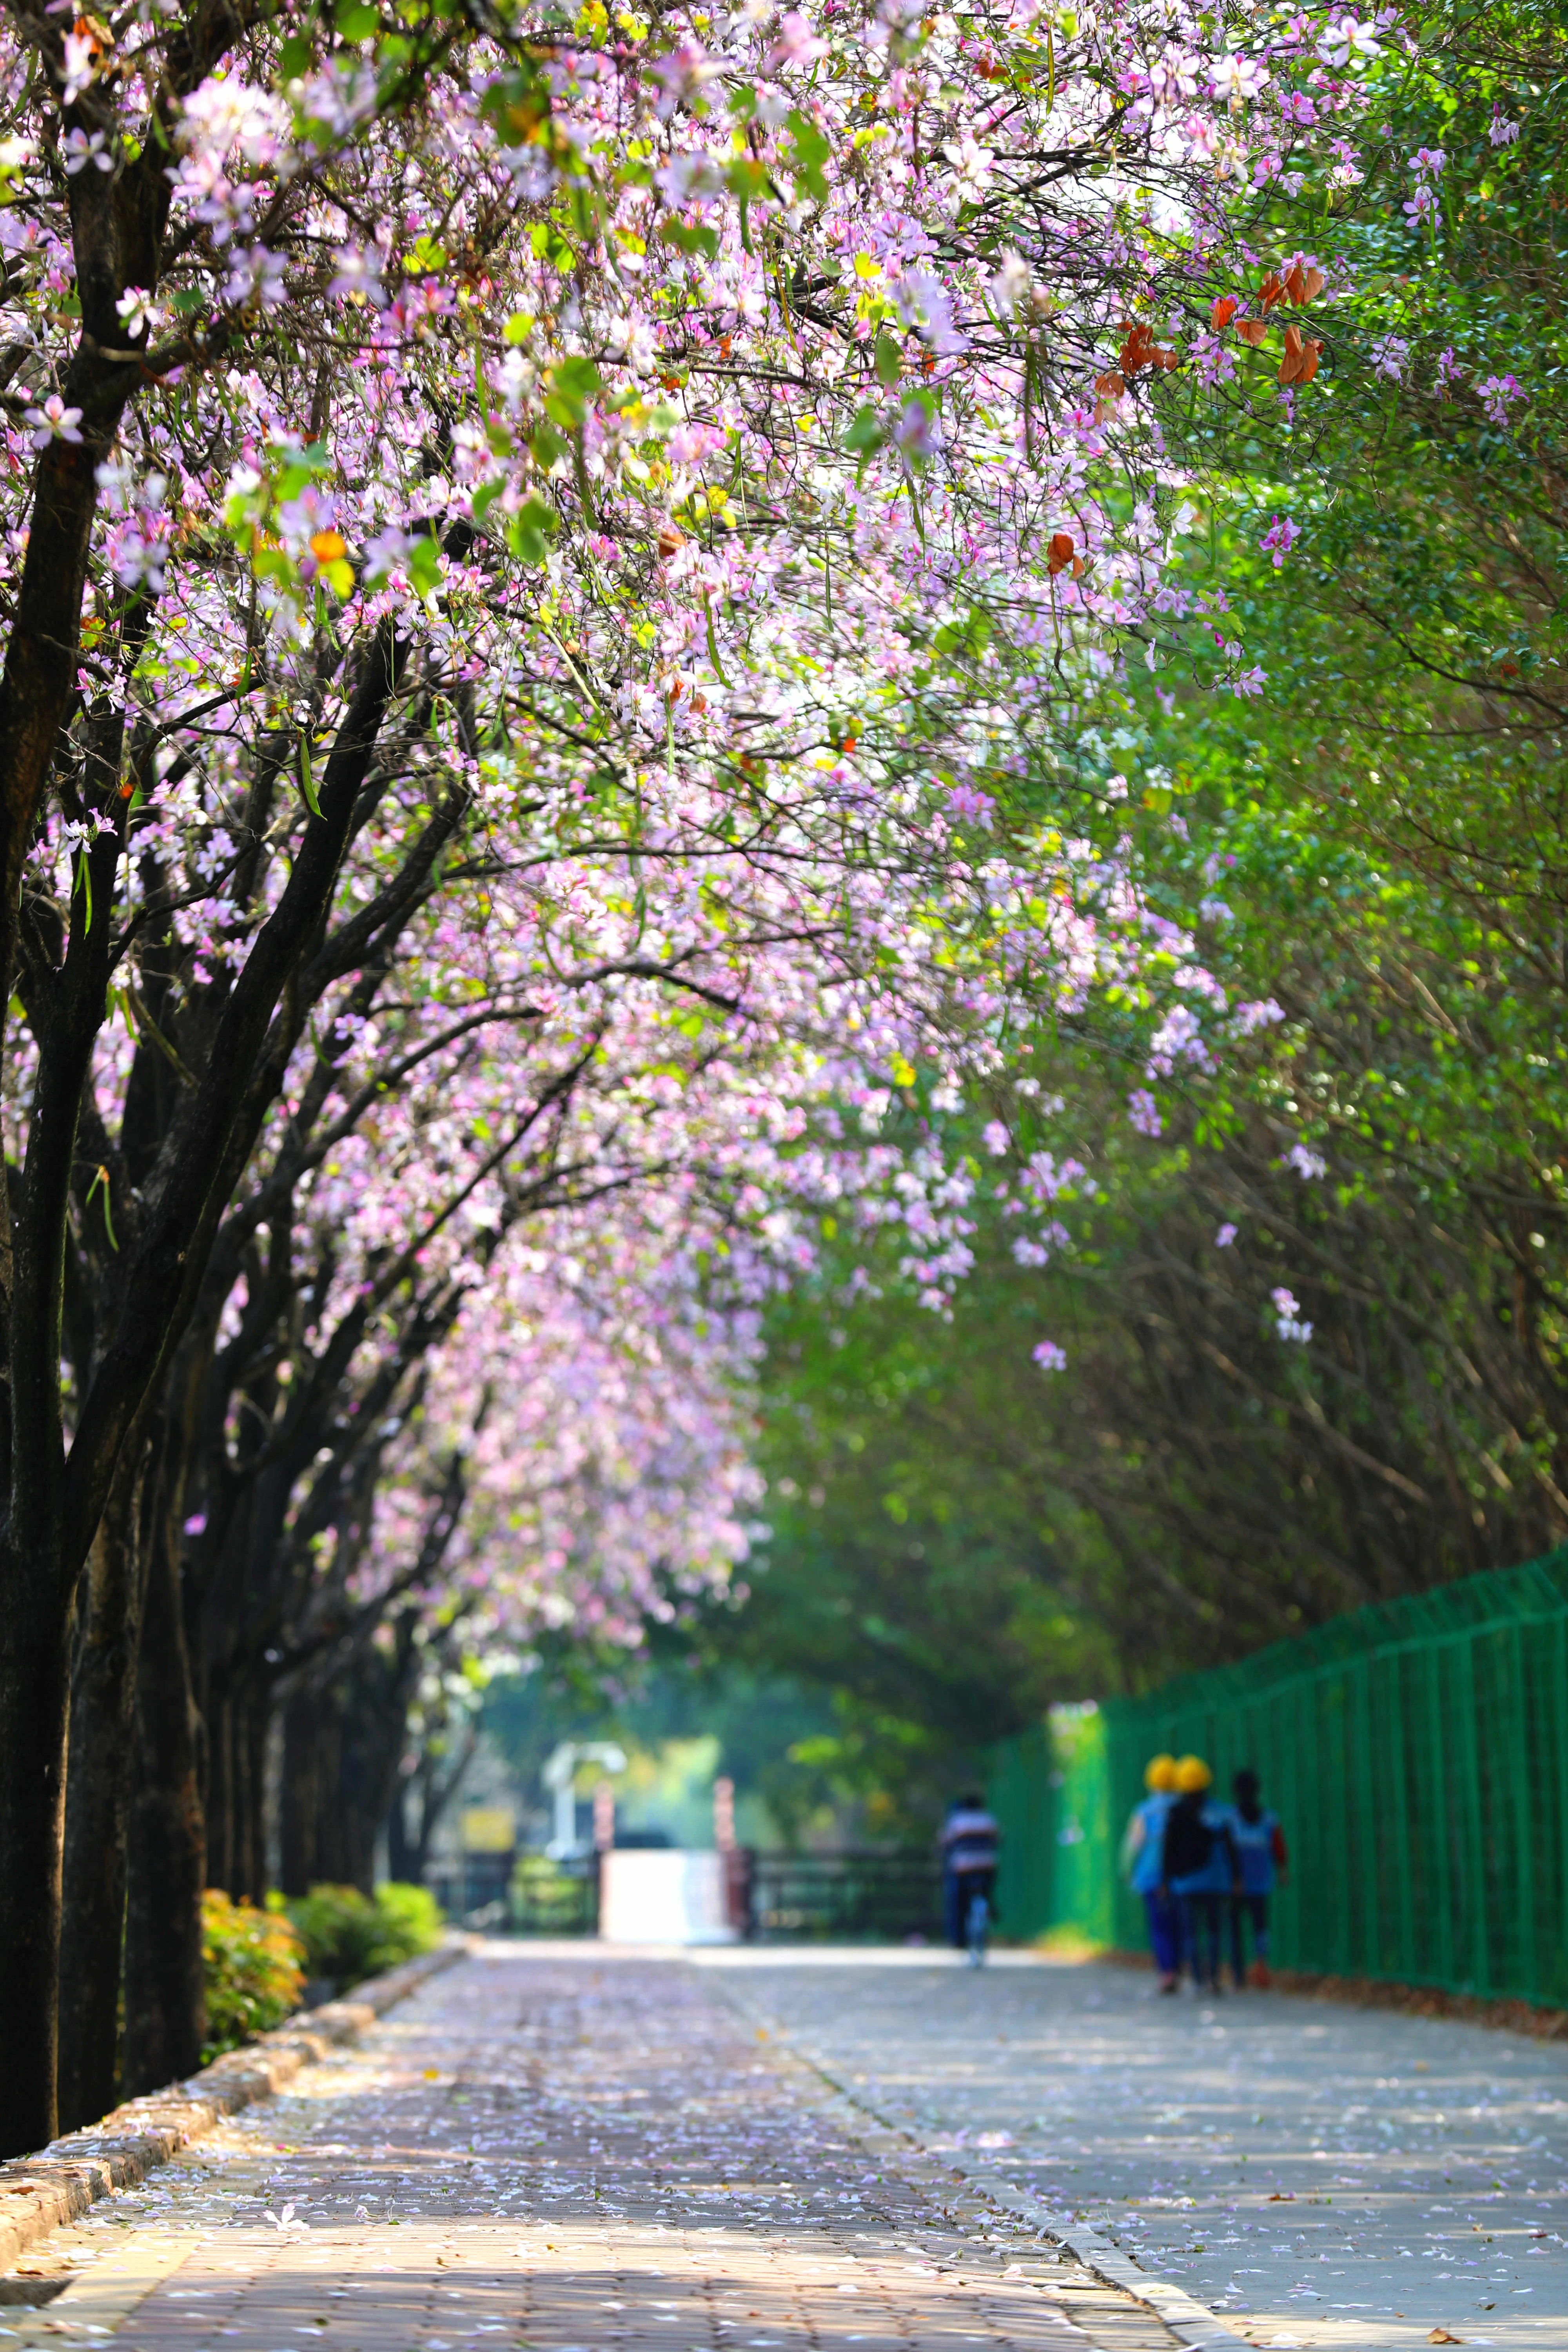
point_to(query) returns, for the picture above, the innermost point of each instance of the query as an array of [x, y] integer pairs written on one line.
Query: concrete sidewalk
[[573, 2151], [1323, 2175]]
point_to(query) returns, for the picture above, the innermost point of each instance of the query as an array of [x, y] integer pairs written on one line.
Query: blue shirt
[[1254, 1850], [1151, 1813]]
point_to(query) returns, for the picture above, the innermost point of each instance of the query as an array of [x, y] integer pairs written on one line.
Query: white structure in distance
[[660, 1894], [558, 1777]]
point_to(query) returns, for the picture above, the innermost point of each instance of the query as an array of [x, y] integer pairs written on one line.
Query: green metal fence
[[1416, 1755]]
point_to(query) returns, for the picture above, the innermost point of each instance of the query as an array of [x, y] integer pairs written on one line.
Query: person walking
[[1141, 1851], [970, 1839], [1259, 1844], [1198, 1865]]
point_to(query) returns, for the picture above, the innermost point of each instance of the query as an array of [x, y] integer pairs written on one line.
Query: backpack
[[1189, 1843]]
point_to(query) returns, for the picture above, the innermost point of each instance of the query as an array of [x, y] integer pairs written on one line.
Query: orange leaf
[[1313, 283], [1300, 364], [1270, 292], [1251, 331], [1110, 384], [670, 541], [1059, 554], [326, 546], [1137, 351], [1224, 312], [1441, 2336], [1296, 282]]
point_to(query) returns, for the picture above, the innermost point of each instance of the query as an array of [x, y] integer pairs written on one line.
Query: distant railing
[[853, 1897], [553, 1898], [772, 1897]]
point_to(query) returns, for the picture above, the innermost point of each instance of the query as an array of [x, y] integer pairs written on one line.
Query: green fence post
[[1524, 1971], [1401, 1839], [1443, 1815]]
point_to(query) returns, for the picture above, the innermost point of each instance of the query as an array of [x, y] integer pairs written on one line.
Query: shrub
[[348, 1937], [253, 1964], [414, 1921]]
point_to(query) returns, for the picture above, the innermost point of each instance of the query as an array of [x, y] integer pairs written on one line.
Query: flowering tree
[[676, 488]]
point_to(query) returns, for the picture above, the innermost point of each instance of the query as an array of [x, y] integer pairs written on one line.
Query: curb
[[1192, 2322], [38, 2193]]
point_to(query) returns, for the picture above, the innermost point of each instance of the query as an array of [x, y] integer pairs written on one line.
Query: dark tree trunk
[[376, 1696], [164, 2005], [401, 1861], [239, 1790], [57, 1499], [331, 1847], [362, 1797], [301, 1808], [342, 1744], [34, 1708], [218, 1794], [98, 1802], [251, 1820]]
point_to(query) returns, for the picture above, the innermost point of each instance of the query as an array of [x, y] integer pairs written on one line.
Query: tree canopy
[[857, 698]]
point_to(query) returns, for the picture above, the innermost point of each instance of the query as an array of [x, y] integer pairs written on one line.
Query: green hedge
[[348, 1936]]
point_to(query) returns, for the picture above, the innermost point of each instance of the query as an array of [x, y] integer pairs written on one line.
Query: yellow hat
[[1160, 1772], [1192, 1773]]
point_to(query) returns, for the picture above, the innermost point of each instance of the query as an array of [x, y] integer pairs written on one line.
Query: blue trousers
[[1256, 1909], [959, 1888], [1165, 1933], [1202, 1915]]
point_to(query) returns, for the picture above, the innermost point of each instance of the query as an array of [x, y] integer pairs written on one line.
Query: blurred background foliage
[[1373, 845]]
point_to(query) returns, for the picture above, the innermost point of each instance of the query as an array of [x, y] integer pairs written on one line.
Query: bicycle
[[976, 1928]]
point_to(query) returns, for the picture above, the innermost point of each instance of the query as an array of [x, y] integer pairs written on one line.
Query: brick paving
[[563, 2151]]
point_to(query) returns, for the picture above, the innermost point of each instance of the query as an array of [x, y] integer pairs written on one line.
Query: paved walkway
[[1324, 2175], [567, 2152]]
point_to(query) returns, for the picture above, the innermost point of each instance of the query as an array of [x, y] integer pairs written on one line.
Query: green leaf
[[747, 178], [811, 151], [864, 433], [528, 531], [686, 239], [307, 780], [424, 566], [570, 386], [356, 21], [547, 446]]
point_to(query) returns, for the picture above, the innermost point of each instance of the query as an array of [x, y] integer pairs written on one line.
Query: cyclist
[[969, 1838]]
